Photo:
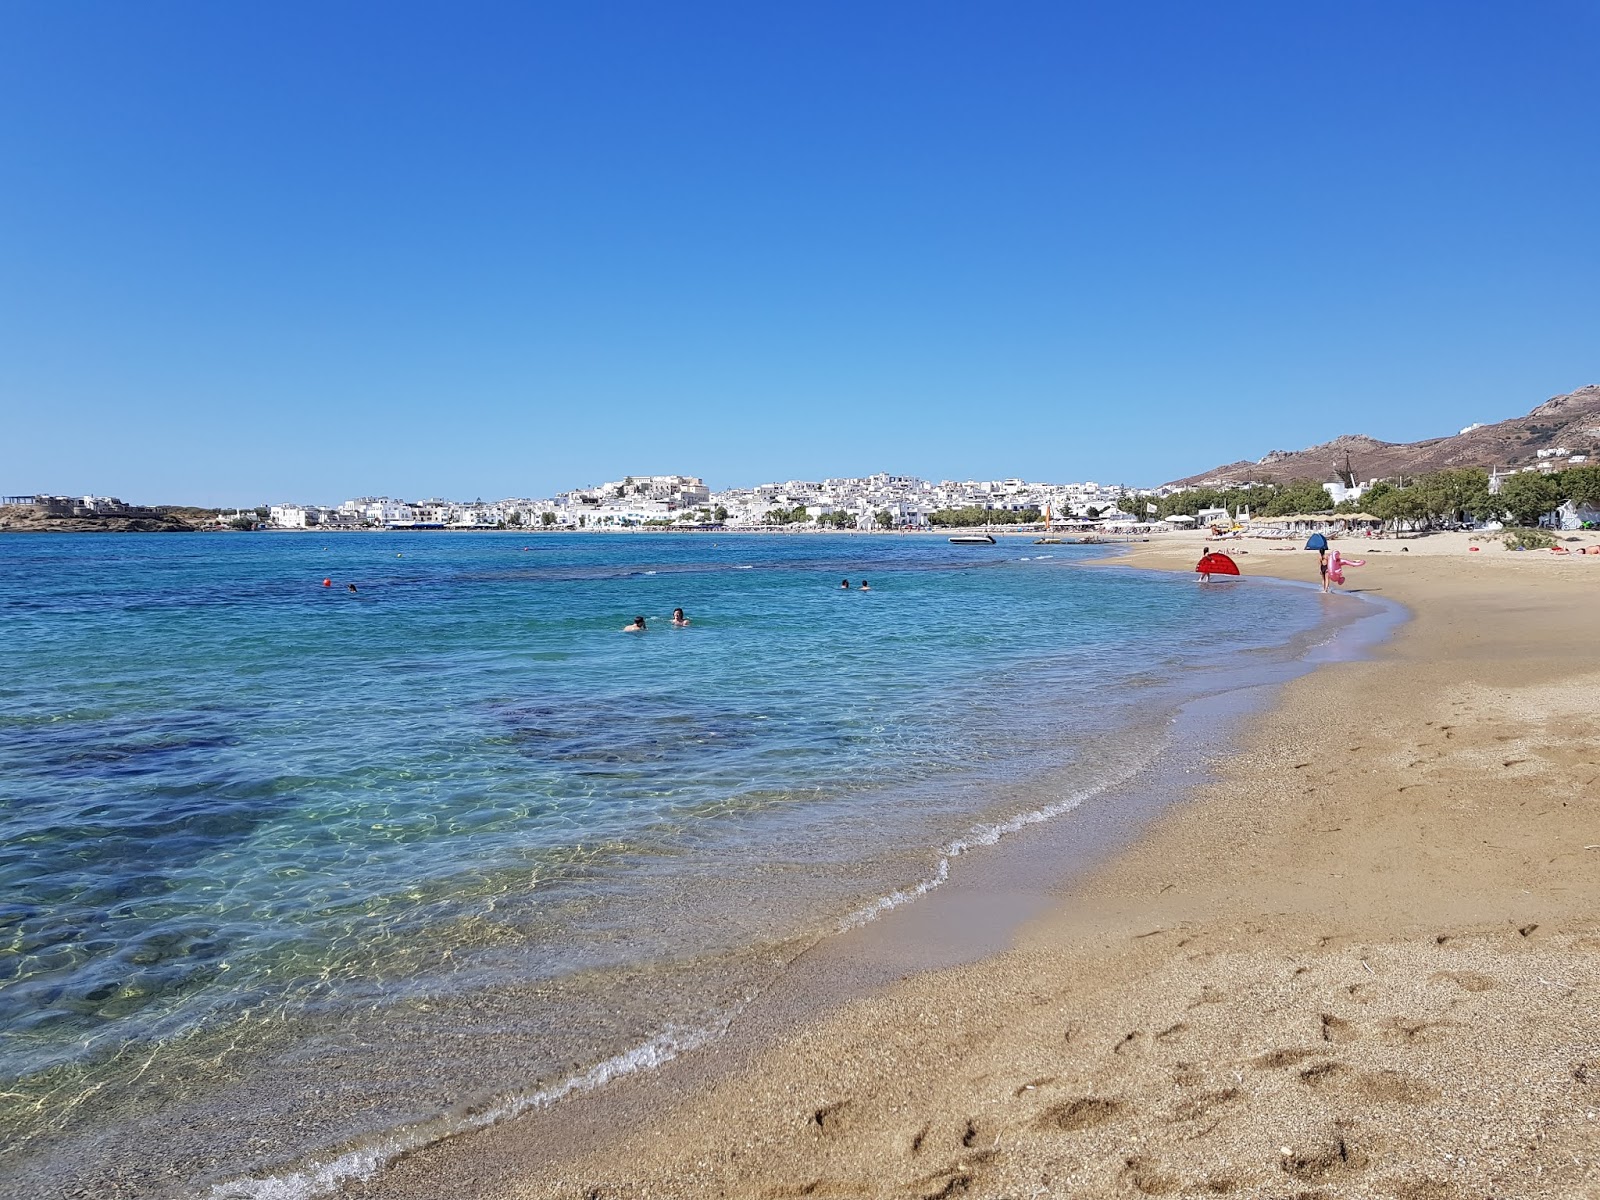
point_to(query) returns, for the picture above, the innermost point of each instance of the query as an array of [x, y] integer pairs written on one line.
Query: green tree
[[549, 518], [721, 514], [1581, 485], [1528, 495], [1458, 495], [1301, 496], [883, 519]]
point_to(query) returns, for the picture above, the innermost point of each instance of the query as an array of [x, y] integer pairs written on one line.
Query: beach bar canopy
[[1180, 519], [1311, 522]]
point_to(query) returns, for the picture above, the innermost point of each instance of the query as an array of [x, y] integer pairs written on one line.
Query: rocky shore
[[17, 518]]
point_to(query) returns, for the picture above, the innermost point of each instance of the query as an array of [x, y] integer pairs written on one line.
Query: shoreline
[[989, 797], [958, 918], [864, 1100]]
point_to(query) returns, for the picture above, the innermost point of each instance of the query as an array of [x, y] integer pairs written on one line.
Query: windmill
[[1347, 474]]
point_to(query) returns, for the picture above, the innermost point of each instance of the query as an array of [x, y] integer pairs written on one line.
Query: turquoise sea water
[[285, 869]]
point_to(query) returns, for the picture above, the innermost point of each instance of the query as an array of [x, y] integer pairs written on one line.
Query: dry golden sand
[[1363, 962]]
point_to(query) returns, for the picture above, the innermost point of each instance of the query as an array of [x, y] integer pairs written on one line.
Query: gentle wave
[[363, 1162], [986, 834]]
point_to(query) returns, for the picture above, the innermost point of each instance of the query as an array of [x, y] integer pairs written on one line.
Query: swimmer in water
[[636, 627], [679, 619], [845, 584], [864, 586], [351, 586]]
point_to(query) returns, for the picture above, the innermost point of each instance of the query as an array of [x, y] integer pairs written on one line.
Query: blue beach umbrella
[[1316, 542]]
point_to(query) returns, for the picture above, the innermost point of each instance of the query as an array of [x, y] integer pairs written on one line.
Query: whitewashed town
[[685, 501]]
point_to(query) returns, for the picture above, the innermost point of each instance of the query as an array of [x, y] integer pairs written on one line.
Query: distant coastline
[[19, 519], [16, 520]]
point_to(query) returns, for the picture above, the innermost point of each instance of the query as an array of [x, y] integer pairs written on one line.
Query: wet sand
[[1362, 960]]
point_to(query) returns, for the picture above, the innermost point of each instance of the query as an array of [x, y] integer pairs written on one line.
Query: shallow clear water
[[456, 835]]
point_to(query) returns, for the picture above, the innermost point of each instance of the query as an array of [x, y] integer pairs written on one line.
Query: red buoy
[[327, 583]]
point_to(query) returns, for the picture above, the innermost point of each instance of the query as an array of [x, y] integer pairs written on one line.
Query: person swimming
[[636, 627], [351, 586], [865, 587], [845, 584], [678, 618]]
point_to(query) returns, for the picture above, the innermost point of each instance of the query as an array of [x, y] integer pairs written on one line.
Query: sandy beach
[[1360, 961]]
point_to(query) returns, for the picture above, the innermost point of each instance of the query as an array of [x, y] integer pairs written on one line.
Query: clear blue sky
[[306, 251]]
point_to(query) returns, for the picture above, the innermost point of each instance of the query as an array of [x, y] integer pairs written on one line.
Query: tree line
[[1454, 496], [973, 514]]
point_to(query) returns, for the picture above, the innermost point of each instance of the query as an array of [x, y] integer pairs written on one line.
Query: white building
[[1339, 493], [378, 510]]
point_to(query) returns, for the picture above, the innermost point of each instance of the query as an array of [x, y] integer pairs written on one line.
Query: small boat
[[972, 539], [1048, 539]]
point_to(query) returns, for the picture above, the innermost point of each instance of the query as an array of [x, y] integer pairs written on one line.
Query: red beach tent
[[1217, 564]]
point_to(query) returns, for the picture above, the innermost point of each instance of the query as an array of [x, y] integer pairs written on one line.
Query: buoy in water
[[327, 583]]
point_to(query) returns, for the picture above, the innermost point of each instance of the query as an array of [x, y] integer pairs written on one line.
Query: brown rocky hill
[[25, 519], [1571, 422]]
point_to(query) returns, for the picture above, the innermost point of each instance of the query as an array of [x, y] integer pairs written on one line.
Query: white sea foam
[[977, 836], [319, 1178], [904, 896]]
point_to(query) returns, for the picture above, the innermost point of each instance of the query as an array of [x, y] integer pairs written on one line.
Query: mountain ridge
[[1570, 421]]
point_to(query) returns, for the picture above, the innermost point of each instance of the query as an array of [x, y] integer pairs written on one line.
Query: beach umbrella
[[1217, 564], [1316, 542]]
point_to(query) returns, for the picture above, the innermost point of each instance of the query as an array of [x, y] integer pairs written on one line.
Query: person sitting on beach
[[864, 586], [678, 618], [845, 584], [636, 627]]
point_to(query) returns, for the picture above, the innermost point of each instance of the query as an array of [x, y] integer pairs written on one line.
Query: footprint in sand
[[1131, 1043], [1286, 1057], [832, 1119], [1411, 1033], [1471, 981], [1203, 1105], [1147, 1178], [1337, 1029], [1323, 1159], [1083, 1113]]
